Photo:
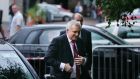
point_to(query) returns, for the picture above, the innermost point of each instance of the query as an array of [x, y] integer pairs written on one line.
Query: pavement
[[5, 25]]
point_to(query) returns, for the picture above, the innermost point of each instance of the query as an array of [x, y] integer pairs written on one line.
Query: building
[[4, 5]]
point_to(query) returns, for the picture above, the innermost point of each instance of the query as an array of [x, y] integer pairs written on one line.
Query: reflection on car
[[13, 65], [33, 41], [131, 35], [54, 12]]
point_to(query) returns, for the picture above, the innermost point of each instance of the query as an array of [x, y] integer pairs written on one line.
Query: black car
[[13, 64], [33, 42]]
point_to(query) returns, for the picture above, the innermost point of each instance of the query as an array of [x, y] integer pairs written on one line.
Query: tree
[[115, 9], [36, 15]]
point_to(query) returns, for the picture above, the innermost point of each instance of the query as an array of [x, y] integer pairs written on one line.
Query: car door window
[[54, 10], [33, 37], [11, 66], [47, 36]]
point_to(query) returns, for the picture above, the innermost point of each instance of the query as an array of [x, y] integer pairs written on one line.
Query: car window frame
[[36, 36]]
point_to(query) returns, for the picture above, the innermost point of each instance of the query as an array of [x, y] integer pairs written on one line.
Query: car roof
[[5, 46], [39, 26], [58, 26], [63, 26]]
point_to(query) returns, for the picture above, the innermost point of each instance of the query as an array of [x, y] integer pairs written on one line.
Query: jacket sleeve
[[89, 51], [51, 56]]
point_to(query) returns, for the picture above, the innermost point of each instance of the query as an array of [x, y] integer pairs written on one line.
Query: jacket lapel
[[68, 50]]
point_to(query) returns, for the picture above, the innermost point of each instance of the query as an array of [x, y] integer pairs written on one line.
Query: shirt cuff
[[85, 60], [62, 65]]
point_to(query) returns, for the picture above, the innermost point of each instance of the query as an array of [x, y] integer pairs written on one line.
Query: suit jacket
[[59, 51], [86, 38]]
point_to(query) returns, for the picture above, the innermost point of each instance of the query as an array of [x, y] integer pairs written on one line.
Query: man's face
[[78, 18], [73, 32], [14, 8]]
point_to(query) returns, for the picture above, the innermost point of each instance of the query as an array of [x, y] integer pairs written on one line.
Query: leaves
[[36, 13], [114, 9], [119, 9]]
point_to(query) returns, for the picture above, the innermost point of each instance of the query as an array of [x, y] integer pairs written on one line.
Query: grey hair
[[78, 14], [73, 22]]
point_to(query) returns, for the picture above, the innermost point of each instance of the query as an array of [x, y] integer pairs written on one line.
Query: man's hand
[[68, 68], [79, 60]]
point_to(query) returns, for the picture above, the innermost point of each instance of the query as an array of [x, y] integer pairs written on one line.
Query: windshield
[[12, 67]]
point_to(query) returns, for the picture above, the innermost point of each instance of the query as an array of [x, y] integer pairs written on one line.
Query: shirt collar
[[69, 40]]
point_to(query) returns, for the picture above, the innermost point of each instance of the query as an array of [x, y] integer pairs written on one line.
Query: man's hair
[[80, 15], [73, 22]]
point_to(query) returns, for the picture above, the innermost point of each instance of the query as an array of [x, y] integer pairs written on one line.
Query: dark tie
[[75, 56]]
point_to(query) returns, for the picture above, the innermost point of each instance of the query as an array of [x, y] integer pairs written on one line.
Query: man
[[61, 54], [17, 21], [85, 35]]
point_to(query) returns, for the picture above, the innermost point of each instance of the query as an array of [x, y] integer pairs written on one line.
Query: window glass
[[52, 9], [47, 36], [129, 33], [32, 37], [132, 35], [11, 66]]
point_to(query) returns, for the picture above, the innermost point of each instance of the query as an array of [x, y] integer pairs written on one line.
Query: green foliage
[[12, 72], [32, 11], [113, 9], [36, 13]]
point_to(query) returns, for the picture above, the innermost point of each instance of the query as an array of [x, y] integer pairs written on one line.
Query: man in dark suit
[[61, 54], [85, 35]]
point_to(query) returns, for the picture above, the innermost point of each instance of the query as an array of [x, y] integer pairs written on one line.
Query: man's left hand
[[79, 60]]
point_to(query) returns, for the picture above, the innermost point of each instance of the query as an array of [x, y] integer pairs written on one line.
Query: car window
[[32, 38], [52, 9], [11, 66], [129, 33], [98, 39], [133, 35], [47, 36]]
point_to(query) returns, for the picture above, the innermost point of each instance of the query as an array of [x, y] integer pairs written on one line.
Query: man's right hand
[[68, 68]]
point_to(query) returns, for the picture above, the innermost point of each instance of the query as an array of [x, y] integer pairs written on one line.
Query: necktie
[[75, 56]]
